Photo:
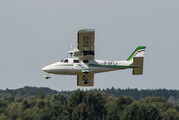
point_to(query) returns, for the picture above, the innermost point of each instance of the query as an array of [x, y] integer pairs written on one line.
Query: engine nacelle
[[78, 53], [86, 70]]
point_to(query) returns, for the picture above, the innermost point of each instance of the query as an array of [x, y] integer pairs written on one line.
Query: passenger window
[[86, 61], [76, 61], [66, 61]]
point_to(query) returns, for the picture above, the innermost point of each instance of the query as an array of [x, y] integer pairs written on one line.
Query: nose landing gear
[[47, 76]]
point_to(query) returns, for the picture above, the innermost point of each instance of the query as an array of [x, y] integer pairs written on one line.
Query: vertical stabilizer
[[139, 52], [137, 58]]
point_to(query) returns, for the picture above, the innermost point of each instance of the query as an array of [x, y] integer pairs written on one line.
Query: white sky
[[36, 33]]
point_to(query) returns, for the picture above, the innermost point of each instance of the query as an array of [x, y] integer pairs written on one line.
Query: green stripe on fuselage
[[65, 65], [110, 66], [113, 66]]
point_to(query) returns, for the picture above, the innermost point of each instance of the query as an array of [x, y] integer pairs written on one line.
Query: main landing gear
[[85, 79]]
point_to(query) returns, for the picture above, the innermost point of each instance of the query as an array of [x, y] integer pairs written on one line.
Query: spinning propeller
[[71, 51]]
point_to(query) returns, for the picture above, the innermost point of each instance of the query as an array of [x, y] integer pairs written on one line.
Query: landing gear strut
[[85, 80]]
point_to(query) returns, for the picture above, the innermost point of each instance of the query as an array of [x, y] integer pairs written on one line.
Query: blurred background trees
[[88, 105]]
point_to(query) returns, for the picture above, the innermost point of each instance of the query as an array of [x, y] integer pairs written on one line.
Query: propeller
[[71, 47], [71, 51]]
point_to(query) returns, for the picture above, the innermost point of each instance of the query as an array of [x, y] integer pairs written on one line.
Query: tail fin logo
[[138, 52]]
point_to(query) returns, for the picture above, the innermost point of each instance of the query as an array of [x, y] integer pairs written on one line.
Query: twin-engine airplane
[[85, 66]]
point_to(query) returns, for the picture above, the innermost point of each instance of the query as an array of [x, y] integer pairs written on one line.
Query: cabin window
[[66, 61], [76, 61], [62, 60], [86, 61]]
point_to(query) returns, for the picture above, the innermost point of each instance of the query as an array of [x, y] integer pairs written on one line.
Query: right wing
[[80, 80], [86, 43]]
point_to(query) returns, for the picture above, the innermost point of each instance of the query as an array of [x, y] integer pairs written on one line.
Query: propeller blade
[[71, 50], [71, 47]]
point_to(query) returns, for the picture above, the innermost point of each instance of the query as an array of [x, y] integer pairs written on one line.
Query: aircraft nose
[[45, 69]]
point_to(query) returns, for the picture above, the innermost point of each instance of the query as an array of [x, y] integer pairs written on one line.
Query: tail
[[137, 58]]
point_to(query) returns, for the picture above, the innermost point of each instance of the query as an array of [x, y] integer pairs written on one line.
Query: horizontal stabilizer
[[137, 71], [139, 62]]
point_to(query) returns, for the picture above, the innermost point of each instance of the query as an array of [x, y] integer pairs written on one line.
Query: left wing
[[86, 43]]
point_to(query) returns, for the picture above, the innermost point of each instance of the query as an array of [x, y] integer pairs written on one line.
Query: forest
[[94, 104], [27, 92]]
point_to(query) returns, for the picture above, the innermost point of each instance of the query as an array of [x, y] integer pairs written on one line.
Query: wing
[[86, 43], [80, 80]]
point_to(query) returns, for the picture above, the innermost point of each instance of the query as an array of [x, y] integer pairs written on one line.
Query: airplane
[[84, 65]]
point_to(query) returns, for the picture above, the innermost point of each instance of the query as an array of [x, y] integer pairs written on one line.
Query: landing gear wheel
[[85, 79], [85, 82], [47, 76]]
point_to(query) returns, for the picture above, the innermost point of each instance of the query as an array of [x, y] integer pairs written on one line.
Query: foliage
[[84, 105], [138, 111], [135, 93], [27, 92]]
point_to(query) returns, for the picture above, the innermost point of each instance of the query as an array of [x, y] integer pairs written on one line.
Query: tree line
[[27, 92], [85, 105]]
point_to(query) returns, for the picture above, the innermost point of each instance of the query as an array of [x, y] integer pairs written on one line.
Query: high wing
[[86, 43], [81, 80]]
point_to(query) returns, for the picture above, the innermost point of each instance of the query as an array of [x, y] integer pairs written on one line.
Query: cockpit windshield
[[62, 60]]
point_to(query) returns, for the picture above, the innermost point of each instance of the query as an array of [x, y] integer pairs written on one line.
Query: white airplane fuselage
[[73, 66]]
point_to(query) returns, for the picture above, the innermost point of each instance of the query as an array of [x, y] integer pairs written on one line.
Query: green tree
[[116, 106], [141, 112], [58, 99], [41, 95], [96, 102], [170, 114], [81, 112]]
